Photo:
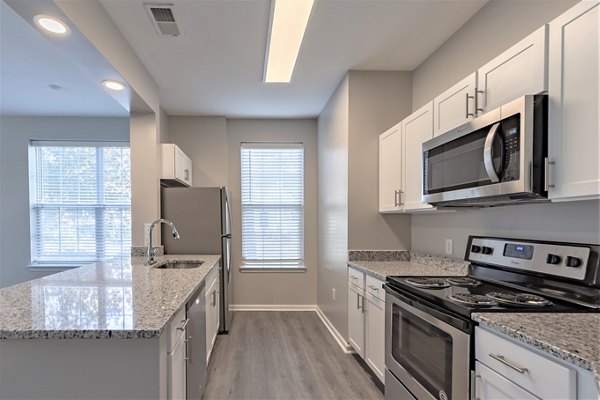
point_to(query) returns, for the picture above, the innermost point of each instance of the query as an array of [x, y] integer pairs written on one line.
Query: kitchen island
[[98, 331]]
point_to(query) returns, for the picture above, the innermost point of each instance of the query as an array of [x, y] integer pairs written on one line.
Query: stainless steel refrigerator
[[203, 218]]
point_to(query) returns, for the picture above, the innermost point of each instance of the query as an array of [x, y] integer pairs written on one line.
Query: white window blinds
[[80, 198], [272, 205]]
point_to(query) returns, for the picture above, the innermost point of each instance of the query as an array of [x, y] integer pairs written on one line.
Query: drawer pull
[[373, 287], [353, 277], [504, 361]]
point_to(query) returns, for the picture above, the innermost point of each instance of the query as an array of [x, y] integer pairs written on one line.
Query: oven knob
[[573, 262], [553, 259], [475, 249], [487, 250]]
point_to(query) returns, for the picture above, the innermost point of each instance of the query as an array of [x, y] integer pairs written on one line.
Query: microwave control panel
[[512, 148]]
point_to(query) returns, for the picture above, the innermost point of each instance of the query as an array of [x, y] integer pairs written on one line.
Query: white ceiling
[[29, 63], [215, 67]]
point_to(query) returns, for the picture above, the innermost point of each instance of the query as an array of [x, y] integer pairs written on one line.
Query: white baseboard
[[346, 348], [273, 307]]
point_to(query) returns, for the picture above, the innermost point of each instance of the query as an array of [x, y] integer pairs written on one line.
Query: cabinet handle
[[467, 113], [357, 301], [510, 364], [401, 197], [182, 327], [547, 164], [396, 198], [214, 297], [477, 93], [353, 277], [373, 287], [187, 174], [364, 309]]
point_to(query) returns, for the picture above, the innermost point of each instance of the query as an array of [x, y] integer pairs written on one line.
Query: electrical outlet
[[333, 294], [449, 249]]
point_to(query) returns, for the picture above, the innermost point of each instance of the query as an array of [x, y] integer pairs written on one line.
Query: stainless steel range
[[429, 340]]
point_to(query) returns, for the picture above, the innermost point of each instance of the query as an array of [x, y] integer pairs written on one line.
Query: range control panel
[[566, 261]]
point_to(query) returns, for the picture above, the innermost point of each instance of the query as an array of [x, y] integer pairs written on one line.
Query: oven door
[[429, 355]]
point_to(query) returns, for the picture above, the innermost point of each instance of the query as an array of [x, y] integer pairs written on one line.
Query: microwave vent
[[163, 19]]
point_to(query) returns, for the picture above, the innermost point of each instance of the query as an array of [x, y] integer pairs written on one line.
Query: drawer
[[176, 328], [374, 287], [356, 277], [534, 372]]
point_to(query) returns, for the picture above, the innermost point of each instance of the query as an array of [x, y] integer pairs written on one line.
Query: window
[[80, 199], [272, 205]]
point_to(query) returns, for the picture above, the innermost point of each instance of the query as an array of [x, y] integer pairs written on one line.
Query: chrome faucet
[[151, 259]]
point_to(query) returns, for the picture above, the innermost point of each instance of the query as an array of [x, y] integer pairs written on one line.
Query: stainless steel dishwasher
[[196, 345]]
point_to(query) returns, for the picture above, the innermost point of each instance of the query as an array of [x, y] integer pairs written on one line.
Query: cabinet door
[[573, 90], [183, 167], [211, 301], [177, 378], [518, 71], [417, 129], [375, 336], [455, 106], [390, 169], [356, 319], [490, 385]]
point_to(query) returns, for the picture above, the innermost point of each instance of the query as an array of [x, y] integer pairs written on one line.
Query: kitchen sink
[[180, 265]]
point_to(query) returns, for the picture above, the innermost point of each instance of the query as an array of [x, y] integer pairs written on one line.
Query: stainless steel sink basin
[[180, 265]]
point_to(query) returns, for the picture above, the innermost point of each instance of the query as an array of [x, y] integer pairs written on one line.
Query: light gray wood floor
[[284, 355]]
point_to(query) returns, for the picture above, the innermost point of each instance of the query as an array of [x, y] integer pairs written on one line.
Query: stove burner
[[428, 283], [519, 299], [472, 299], [463, 281]]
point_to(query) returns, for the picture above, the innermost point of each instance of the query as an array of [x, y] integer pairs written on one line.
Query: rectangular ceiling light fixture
[[288, 24]]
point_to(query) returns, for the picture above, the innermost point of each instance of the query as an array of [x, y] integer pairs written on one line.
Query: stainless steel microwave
[[496, 159]]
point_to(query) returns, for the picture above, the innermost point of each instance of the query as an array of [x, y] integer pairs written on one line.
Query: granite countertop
[[418, 265], [120, 298], [571, 337]]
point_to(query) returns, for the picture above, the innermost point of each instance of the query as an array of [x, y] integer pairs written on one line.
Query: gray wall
[[483, 37], [333, 208], [364, 105], [213, 144], [377, 101], [15, 135], [496, 27]]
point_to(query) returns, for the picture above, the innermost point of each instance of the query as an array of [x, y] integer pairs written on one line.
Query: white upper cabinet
[[518, 71], [390, 169], [455, 106], [573, 90], [176, 166], [416, 129]]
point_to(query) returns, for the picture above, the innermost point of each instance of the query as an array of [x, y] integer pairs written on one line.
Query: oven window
[[423, 350]]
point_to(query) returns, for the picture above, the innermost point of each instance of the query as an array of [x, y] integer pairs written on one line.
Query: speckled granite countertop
[[419, 265], [120, 298], [571, 337]]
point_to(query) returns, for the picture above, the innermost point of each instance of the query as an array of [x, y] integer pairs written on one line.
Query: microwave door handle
[[487, 153]]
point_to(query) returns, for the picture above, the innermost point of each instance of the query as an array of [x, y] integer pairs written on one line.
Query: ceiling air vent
[[163, 19]]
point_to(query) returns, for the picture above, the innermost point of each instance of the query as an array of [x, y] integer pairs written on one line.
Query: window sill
[[55, 266], [272, 269]]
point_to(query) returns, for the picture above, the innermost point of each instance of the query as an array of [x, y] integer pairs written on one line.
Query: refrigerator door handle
[[228, 236]]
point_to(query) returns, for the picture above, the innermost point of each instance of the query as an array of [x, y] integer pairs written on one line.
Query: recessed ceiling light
[[113, 85], [288, 25], [51, 24]]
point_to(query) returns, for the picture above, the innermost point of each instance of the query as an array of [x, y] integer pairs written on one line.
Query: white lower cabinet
[[212, 311], [366, 319], [176, 384], [356, 319], [507, 369], [493, 386]]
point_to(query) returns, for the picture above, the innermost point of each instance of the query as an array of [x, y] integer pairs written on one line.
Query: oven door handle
[[427, 313], [488, 161]]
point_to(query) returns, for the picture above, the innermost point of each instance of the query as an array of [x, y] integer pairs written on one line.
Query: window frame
[[261, 265], [99, 207]]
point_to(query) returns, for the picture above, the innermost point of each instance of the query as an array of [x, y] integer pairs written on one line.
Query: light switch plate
[[449, 246]]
